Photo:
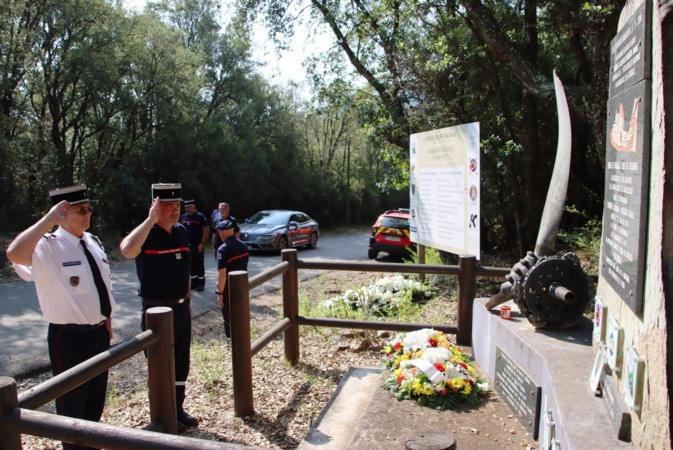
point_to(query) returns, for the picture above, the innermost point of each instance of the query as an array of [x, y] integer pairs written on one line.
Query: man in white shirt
[[72, 279]]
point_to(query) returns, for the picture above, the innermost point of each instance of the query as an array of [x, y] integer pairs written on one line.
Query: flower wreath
[[426, 367]]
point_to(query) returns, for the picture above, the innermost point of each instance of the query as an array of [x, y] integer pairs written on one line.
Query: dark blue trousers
[[70, 345]]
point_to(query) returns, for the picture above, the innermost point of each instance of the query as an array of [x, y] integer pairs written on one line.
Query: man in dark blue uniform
[[231, 255], [222, 212], [160, 246], [197, 226]]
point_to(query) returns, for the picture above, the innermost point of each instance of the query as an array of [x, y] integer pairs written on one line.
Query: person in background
[[160, 246], [72, 278], [231, 255], [222, 212], [198, 228]]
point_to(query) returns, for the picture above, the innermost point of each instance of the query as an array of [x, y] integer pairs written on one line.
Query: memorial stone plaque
[[517, 389], [627, 160]]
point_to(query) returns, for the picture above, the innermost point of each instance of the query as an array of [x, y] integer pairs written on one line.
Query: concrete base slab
[[343, 414], [558, 361]]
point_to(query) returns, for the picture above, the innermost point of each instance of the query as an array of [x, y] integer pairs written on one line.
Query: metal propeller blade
[[558, 186], [556, 195]]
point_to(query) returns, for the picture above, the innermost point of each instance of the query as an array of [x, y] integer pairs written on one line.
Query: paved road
[[23, 343]]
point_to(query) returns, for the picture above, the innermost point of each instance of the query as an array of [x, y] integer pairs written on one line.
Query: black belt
[[77, 326], [164, 302]]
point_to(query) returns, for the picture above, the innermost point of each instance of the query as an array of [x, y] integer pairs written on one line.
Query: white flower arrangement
[[381, 298]]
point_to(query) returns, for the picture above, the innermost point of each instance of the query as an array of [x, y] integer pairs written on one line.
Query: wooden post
[[291, 306], [466, 291], [161, 370], [420, 252], [9, 440], [241, 354]]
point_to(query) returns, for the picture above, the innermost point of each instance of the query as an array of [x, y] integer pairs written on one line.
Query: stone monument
[[634, 305]]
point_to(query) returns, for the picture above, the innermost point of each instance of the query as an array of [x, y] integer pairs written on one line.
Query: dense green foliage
[[93, 93], [431, 64]]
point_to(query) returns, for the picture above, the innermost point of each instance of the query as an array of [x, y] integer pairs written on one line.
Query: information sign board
[[444, 189]]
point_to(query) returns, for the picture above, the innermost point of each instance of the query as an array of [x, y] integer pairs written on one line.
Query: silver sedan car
[[277, 229]]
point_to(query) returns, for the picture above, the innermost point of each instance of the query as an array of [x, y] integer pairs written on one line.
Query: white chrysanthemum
[[418, 339], [436, 354]]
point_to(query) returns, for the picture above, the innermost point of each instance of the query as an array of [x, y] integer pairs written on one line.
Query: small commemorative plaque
[[519, 391], [619, 415]]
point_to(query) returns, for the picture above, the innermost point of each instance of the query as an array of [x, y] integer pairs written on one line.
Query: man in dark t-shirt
[[231, 255], [196, 224], [160, 246]]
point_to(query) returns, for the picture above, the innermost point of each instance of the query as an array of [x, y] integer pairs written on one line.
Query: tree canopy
[[90, 92]]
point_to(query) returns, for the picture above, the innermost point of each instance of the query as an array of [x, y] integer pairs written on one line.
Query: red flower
[[433, 342], [397, 346], [442, 392], [463, 365], [439, 366], [400, 379]]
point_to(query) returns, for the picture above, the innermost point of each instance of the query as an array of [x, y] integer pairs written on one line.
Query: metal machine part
[[553, 293]]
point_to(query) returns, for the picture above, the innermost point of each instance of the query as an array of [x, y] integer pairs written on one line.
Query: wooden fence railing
[[17, 416], [16, 411], [239, 291]]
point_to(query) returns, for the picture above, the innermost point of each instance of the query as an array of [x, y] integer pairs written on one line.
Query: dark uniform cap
[[167, 192], [225, 224], [73, 194], [190, 202]]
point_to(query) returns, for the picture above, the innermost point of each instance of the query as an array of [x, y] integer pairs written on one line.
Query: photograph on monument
[[633, 381], [613, 341], [600, 318], [597, 370]]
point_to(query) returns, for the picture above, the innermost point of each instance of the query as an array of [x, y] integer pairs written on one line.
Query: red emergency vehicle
[[390, 234]]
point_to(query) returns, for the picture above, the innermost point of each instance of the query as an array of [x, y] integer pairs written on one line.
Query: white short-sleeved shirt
[[63, 278]]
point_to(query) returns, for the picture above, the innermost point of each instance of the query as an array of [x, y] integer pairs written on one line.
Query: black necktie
[[103, 296]]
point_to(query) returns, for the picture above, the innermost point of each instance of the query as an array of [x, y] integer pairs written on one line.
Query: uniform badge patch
[[74, 281], [178, 256]]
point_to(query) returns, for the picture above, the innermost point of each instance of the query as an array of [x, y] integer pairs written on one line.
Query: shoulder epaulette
[[97, 239], [49, 236]]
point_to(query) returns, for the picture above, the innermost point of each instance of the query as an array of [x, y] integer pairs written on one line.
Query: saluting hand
[[155, 211], [57, 214]]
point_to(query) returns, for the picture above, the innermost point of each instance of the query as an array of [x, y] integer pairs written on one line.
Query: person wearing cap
[[231, 255], [222, 212], [198, 228], [160, 246], [72, 278]]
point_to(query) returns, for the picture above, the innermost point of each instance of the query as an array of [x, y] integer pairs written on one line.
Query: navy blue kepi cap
[[225, 224], [73, 194], [189, 202], [167, 192]]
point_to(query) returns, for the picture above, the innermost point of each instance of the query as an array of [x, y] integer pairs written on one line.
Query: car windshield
[[394, 222], [270, 218]]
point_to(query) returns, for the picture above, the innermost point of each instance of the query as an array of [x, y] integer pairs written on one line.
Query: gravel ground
[[287, 399]]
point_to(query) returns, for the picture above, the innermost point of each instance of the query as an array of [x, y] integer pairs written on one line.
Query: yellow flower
[[470, 370], [406, 357], [457, 383], [421, 388], [468, 388]]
